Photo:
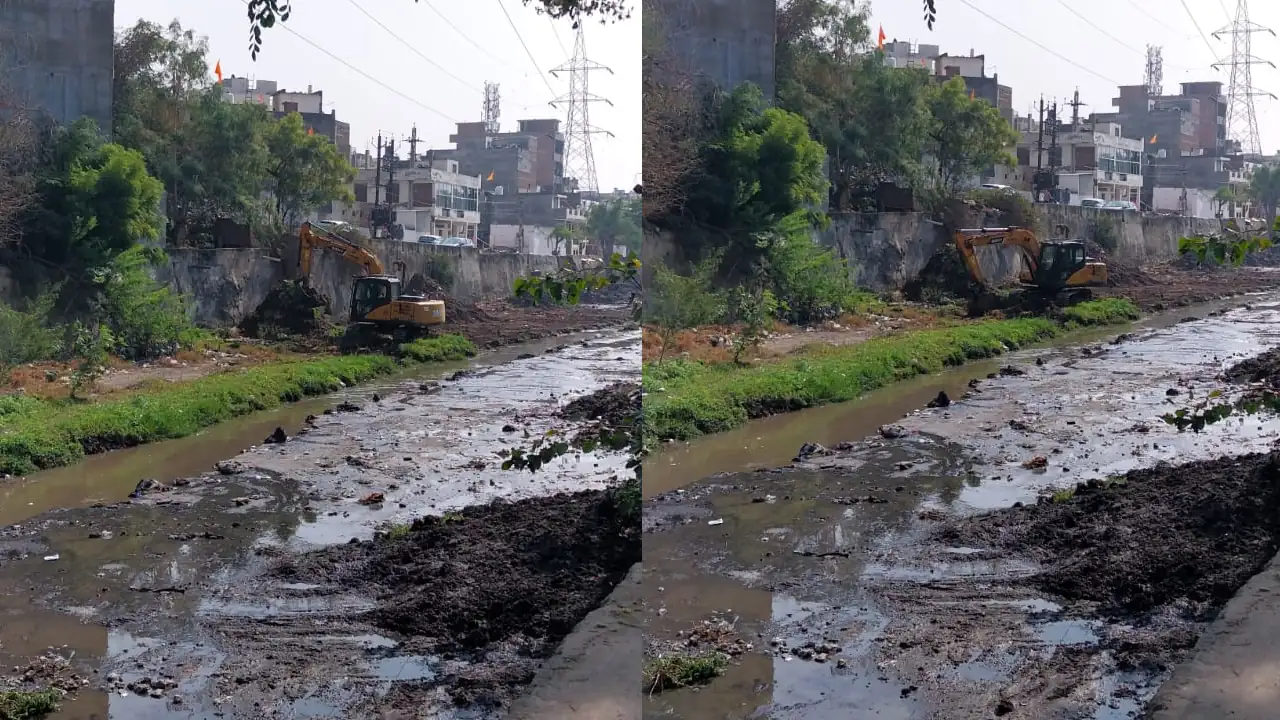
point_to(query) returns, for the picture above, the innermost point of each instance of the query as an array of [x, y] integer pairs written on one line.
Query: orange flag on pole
[[972, 94], [311, 131], [880, 39], [217, 70]]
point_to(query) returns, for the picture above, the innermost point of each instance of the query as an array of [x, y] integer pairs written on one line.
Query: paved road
[[1235, 672]]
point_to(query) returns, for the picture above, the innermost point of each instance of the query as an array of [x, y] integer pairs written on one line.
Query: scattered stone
[[892, 432], [147, 485], [1036, 463], [941, 401], [229, 467], [1172, 392], [277, 437], [809, 450], [375, 498], [1011, 371], [345, 406]]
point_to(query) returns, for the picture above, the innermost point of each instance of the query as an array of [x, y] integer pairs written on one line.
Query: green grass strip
[[36, 435], [1107, 311], [28, 705], [686, 399]]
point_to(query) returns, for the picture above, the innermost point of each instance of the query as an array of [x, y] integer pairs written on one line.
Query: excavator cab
[[1059, 260], [372, 292]]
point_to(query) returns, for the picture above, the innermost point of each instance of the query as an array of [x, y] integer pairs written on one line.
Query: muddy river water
[[817, 563], [164, 586]]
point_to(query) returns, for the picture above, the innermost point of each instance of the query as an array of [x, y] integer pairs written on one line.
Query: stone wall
[[1142, 239], [475, 275], [222, 286]]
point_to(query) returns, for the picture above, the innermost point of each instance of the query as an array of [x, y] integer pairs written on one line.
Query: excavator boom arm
[[311, 237], [1022, 239]]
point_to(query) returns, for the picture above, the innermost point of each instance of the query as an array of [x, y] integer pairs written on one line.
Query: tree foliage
[[215, 159], [965, 134], [1264, 188], [264, 14], [870, 117], [1230, 245], [94, 201], [615, 222]]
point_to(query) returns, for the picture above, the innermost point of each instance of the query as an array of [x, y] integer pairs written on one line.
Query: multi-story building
[[1091, 160], [309, 104], [529, 160], [901, 53], [427, 196]]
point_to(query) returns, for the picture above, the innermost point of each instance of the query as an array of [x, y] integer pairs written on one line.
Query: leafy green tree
[[616, 222], [870, 117], [94, 201], [965, 135], [264, 14], [158, 72], [1264, 188], [304, 171]]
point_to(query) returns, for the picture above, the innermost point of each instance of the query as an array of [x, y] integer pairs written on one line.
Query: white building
[[902, 53], [1094, 161], [268, 93], [427, 199]]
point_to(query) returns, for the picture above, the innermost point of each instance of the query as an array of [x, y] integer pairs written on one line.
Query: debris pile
[[291, 308], [1161, 536]]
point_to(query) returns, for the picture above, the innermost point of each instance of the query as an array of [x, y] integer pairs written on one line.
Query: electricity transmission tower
[[579, 159], [1242, 117], [1153, 78], [491, 108]]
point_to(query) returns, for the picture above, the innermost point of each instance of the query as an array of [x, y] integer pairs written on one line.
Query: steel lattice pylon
[[579, 159], [1242, 117]]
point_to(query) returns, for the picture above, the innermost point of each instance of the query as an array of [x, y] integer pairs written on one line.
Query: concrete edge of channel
[[595, 673], [1232, 670]]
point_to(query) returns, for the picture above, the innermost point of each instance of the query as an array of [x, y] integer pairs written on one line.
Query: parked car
[[995, 186], [459, 242], [431, 240], [1091, 202], [1119, 206]]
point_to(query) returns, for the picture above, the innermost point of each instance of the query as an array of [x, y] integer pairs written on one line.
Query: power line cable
[[461, 34], [1054, 53], [1212, 53], [526, 47], [556, 32], [1091, 24], [358, 71], [1153, 18], [410, 45]]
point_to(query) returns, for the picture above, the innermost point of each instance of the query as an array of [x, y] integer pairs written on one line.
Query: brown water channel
[[825, 551], [157, 587]]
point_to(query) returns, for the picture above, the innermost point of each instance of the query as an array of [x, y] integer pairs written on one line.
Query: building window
[[457, 197]]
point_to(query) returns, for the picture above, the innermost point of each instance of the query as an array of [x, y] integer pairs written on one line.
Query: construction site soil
[[498, 585], [296, 313]]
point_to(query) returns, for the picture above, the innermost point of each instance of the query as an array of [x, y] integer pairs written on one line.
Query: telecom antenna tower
[[1153, 78], [1242, 117], [579, 159], [492, 111]]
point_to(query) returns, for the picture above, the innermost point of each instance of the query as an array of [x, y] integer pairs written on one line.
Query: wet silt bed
[[865, 584], [181, 603]]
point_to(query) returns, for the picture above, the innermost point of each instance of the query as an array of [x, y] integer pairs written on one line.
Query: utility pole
[[391, 170], [1055, 152], [1075, 109], [413, 146], [1037, 183], [377, 175], [1242, 115]]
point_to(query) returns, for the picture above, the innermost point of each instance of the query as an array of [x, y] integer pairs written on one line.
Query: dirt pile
[[291, 308], [1260, 368], [1119, 273], [944, 277], [489, 577], [610, 414], [1196, 532]]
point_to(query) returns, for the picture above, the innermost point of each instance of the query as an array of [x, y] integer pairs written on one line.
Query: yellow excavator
[[377, 301], [1049, 268]]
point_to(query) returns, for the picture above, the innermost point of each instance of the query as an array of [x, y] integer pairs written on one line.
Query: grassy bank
[[39, 434], [687, 399], [27, 705]]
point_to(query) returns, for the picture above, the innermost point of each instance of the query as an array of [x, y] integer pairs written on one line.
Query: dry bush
[[672, 110], [19, 144]]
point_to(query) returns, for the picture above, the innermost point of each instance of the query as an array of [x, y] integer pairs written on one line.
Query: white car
[[994, 186], [459, 242], [1119, 206], [431, 240], [1091, 202]]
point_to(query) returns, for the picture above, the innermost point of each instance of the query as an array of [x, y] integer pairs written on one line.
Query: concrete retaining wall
[[224, 286]]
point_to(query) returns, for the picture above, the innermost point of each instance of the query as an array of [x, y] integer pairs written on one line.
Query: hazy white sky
[[1090, 59], [483, 47]]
